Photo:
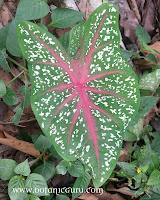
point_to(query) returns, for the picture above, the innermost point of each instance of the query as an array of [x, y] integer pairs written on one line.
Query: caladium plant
[[84, 97]]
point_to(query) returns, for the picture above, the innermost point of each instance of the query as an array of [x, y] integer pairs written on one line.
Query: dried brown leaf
[[88, 6], [128, 20], [123, 190], [20, 145], [5, 14], [88, 196], [106, 196], [148, 15]]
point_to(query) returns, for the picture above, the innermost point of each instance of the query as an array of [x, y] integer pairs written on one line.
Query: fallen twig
[[133, 6], [20, 122]]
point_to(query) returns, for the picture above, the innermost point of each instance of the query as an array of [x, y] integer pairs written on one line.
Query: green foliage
[[154, 178], [148, 158], [23, 168], [148, 83], [127, 54], [54, 152], [151, 58], [10, 98], [76, 169], [24, 136], [134, 131], [70, 42], [25, 91], [145, 47], [130, 135], [16, 182], [46, 169], [61, 168], [35, 137], [62, 197], [3, 61], [26, 10], [11, 41], [155, 144], [81, 183], [128, 169], [143, 36], [43, 26], [2, 88], [144, 170], [42, 143], [31, 10], [65, 17], [3, 36], [33, 197], [25, 103], [7, 168], [153, 196], [37, 184], [28, 188], [146, 104], [16, 117]]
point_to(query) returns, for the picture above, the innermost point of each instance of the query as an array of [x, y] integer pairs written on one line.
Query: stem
[[149, 137], [44, 161], [135, 55], [105, 1], [15, 78], [15, 62], [26, 80], [37, 158], [24, 62], [114, 179], [130, 158], [41, 21]]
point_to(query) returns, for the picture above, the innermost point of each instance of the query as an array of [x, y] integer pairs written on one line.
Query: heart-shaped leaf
[[81, 183], [47, 170], [23, 168], [3, 36], [154, 178], [7, 168], [2, 88], [3, 61], [10, 98], [31, 10], [16, 188], [37, 185], [83, 104], [65, 17], [61, 168]]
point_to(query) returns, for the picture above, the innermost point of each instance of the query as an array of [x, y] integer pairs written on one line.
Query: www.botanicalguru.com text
[[67, 190]]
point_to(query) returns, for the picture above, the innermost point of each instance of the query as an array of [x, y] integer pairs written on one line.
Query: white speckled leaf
[[72, 40], [83, 105], [76, 35]]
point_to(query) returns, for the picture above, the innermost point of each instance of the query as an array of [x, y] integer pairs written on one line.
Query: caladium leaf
[[83, 104], [72, 40]]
